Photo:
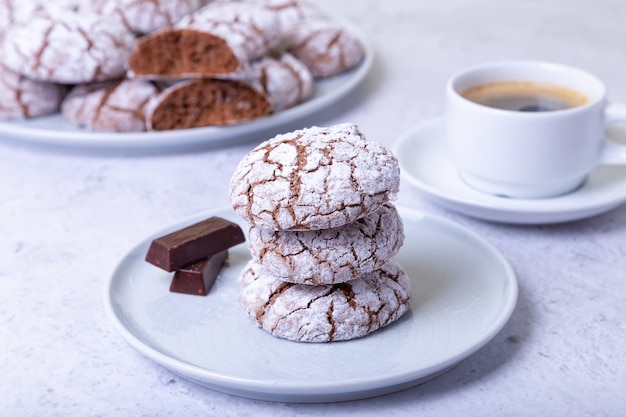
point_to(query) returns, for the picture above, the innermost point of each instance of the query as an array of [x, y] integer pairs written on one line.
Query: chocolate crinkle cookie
[[111, 106], [22, 97], [146, 16], [315, 178], [325, 313], [293, 12], [323, 235], [216, 39], [329, 256], [205, 102], [283, 79], [325, 47], [226, 61], [270, 84], [68, 47]]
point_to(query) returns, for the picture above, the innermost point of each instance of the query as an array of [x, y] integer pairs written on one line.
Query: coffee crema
[[525, 96]]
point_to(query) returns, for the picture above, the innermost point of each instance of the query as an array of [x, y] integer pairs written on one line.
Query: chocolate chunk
[[199, 277], [194, 243]]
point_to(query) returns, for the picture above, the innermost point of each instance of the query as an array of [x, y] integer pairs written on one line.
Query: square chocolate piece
[[194, 243], [199, 277]]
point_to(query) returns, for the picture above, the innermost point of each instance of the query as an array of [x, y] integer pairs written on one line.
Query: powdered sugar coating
[[315, 178], [68, 47], [325, 47], [110, 106], [292, 12], [12, 11], [22, 98], [145, 16], [284, 79], [249, 29], [325, 313], [20, 11], [329, 256]]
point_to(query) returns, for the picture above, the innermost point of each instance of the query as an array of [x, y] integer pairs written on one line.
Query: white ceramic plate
[[464, 293], [55, 131], [425, 164]]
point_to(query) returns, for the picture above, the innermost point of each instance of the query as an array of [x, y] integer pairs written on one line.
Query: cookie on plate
[[270, 84], [23, 98], [325, 313], [283, 79], [314, 178], [292, 12], [205, 102], [216, 39], [110, 106], [145, 16], [329, 256], [68, 47], [325, 47]]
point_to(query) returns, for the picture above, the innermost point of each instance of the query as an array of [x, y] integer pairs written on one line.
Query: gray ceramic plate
[[55, 131], [464, 292]]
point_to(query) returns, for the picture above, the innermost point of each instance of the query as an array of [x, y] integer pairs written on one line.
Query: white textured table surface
[[67, 219]]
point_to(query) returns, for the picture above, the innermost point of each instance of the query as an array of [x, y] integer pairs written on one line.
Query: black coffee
[[525, 96]]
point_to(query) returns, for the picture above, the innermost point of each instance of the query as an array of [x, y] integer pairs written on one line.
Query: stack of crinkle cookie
[[323, 235], [135, 65]]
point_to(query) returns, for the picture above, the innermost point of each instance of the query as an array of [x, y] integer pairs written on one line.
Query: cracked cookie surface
[[110, 106], [23, 98], [282, 78], [329, 256], [325, 313], [325, 47], [315, 178], [68, 47], [145, 16]]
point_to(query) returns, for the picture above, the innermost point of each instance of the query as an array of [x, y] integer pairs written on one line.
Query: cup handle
[[614, 153]]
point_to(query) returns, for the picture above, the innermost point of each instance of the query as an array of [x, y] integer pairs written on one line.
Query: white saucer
[[464, 292], [425, 164]]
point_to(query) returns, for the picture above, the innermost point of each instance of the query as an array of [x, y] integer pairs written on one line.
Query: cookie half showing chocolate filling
[[206, 102]]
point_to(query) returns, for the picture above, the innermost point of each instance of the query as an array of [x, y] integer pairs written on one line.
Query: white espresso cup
[[528, 129]]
